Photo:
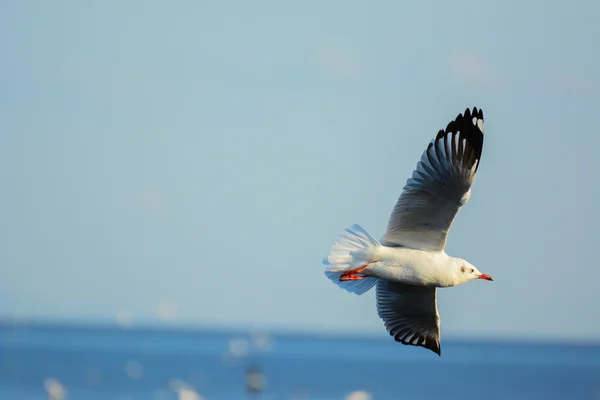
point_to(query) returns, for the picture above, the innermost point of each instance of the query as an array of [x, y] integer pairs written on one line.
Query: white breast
[[411, 266]]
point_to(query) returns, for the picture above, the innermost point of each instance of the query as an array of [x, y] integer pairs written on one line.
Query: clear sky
[[192, 162]]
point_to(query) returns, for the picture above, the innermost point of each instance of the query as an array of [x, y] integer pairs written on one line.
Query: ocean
[[98, 363]]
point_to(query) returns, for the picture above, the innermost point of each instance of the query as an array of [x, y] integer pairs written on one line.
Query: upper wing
[[410, 314], [439, 186]]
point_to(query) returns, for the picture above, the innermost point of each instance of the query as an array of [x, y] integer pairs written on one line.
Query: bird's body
[[410, 262], [417, 267]]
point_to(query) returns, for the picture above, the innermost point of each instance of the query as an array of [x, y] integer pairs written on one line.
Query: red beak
[[485, 276]]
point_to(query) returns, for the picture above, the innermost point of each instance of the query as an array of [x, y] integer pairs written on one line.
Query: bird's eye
[[472, 269]]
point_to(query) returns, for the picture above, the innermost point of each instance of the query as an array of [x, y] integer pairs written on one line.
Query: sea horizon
[[182, 328]]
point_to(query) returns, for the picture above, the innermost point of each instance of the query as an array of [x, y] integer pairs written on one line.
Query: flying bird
[[409, 263]]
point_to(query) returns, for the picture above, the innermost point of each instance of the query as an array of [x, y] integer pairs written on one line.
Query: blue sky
[[192, 163]]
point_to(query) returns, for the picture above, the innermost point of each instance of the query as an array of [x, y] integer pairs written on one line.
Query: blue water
[[110, 363]]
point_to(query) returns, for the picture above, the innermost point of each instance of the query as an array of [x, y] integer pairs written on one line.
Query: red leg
[[353, 274], [352, 278]]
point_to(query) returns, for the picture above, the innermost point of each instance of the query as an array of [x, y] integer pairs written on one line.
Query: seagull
[[410, 263]]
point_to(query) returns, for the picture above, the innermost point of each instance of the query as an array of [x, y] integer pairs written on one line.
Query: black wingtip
[[470, 113], [436, 348], [477, 112], [425, 342], [468, 127]]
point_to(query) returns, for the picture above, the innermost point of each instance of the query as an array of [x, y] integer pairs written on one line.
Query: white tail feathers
[[352, 249]]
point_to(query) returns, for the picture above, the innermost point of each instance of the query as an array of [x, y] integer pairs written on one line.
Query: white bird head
[[467, 272]]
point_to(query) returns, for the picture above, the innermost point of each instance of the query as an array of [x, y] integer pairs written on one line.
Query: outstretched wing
[[410, 313], [440, 185]]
